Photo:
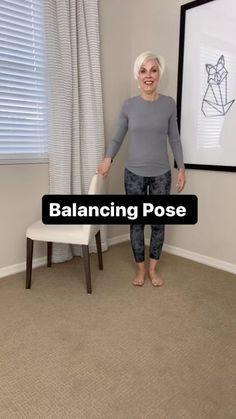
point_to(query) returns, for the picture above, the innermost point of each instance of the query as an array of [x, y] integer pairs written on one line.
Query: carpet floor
[[123, 352]]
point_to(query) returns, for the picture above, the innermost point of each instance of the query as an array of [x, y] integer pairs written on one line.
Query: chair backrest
[[98, 186]]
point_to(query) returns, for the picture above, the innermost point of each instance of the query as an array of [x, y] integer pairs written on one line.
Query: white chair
[[73, 234]]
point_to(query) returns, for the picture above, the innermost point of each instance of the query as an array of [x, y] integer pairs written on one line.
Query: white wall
[[21, 189], [127, 28]]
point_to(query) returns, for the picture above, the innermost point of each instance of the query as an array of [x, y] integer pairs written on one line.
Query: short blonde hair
[[146, 56]]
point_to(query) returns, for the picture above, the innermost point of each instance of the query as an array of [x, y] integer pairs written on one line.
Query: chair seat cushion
[[74, 234]]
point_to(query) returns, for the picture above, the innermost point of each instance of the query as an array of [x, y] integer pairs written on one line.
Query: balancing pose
[[150, 118]]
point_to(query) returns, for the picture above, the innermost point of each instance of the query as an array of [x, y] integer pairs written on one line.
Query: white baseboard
[[178, 251], [118, 239], [20, 267], [197, 257]]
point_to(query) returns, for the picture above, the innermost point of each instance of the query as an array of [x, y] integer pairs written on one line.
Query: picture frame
[[206, 92]]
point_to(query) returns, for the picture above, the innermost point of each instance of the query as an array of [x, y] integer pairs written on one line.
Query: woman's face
[[148, 76]]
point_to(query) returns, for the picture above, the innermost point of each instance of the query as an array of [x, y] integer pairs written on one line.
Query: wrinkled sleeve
[[174, 138], [122, 128]]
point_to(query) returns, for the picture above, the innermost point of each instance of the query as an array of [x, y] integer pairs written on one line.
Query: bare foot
[[139, 279], [155, 279]]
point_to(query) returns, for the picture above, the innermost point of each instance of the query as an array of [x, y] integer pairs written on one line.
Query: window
[[23, 89]]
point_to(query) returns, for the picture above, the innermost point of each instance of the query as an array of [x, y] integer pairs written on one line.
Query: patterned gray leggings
[[142, 185]]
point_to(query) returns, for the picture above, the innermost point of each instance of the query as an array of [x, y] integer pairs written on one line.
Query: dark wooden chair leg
[[99, 249], [49, 254], [29, 259], [85, 250]]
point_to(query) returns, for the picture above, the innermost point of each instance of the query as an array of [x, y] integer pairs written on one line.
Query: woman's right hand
[[104, 166]]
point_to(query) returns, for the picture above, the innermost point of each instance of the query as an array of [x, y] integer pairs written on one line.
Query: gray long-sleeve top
[[149, 123]]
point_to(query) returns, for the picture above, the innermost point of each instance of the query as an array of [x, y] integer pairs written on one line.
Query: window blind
[[23, 89]]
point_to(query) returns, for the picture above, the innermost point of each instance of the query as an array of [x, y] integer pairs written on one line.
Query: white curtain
[[75, 115]]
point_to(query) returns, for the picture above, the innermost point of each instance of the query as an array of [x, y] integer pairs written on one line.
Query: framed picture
[[206, 105]]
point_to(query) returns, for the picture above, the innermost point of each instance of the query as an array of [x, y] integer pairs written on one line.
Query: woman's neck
[[151, 97]]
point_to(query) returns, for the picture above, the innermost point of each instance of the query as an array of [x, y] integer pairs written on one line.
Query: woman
[[150, 118]]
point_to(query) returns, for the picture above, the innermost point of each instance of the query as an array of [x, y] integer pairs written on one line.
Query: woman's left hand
[[180, 180]]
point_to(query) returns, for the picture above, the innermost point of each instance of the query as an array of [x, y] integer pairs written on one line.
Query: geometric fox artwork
[[215, 99]]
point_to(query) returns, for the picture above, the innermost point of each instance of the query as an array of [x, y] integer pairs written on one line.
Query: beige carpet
[[122, 352]]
